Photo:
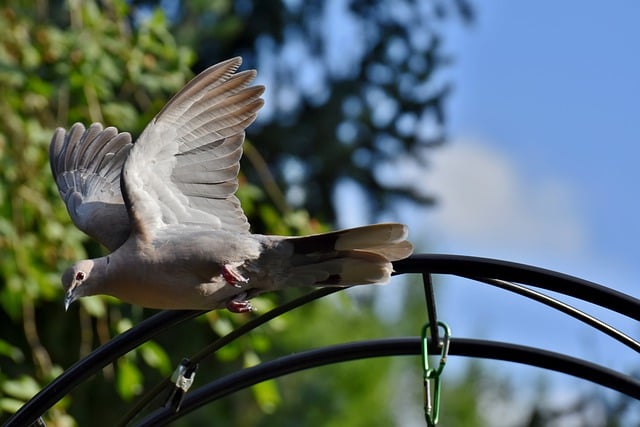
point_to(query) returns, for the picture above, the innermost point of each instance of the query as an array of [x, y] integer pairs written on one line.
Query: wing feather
[[86, 165], [183, 169]]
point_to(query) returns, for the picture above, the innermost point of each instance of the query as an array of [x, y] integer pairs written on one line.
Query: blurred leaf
[[124, 325], [10, 405], [10, 351], [121, 113], [94, 305], [266, 393], [22, 388], [128, 379], [156, 357], [220, 325]]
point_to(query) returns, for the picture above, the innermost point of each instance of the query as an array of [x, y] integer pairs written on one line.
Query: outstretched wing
[[183, 169], [86, 165]]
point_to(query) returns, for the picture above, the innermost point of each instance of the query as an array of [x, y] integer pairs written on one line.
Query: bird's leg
[[239, 304], [233, 276]]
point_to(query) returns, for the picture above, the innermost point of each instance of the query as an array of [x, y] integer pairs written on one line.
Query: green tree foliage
[[61, 63]]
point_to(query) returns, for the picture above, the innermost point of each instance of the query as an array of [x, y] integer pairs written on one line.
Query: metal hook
[[432, 406]]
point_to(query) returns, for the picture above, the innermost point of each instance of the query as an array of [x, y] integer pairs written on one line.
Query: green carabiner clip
[[432, 406]]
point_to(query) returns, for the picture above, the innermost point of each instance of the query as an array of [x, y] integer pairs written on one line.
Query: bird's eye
[[80, 275]]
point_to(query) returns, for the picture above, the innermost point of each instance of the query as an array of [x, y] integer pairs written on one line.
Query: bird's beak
[[69, 297]]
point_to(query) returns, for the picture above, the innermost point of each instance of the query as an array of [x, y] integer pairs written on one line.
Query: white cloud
[[486, 201]]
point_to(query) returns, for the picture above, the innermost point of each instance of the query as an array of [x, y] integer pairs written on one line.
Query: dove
[[165, 207]]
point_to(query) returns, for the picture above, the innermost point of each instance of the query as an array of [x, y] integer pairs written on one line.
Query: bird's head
[[76, 281]]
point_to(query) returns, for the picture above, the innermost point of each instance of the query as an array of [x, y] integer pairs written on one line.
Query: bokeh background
[[493, 128]]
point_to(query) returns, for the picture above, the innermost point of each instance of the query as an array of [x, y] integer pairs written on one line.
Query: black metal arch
[[240, 380], [490, 271]]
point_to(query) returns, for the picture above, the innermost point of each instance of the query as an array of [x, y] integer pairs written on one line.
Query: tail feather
[[393, 252], [370, 236], [361, 255]]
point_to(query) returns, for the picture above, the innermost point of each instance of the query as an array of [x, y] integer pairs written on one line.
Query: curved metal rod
[[96, 360], [393, 347], [565, 308], [474, 267]]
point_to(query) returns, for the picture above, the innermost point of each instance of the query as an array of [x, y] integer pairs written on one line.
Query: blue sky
[[555, 86], [542, 164]]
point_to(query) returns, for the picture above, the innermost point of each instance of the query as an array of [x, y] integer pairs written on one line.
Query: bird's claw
[[239, 304], [232, 276]]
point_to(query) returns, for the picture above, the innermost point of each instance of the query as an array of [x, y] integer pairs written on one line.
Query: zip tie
[[182, 379]]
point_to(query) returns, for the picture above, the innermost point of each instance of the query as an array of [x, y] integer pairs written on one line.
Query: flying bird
[[165, 207]]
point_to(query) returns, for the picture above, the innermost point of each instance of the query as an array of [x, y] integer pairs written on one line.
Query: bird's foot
[[233, 276], [239, 304]]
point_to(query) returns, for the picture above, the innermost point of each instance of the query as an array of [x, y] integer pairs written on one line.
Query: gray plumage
[[166, 209]]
